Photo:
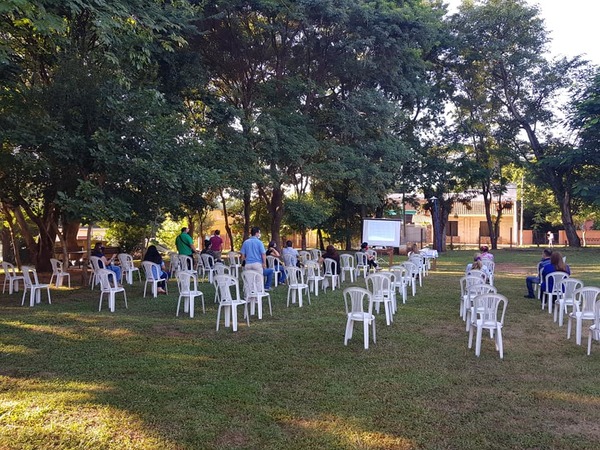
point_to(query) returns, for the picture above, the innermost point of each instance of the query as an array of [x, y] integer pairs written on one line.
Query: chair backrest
[[221, 269], [468, 281], [207, 260], [378, 284], [399, 272], [304, 256], [313, 269], [585, 299], [294, 275], [151, 270], [479, 273], [96, 263], [316, 254], [273, 262], [491, 265], [481, 288], [29, 276], [235, 259], [569, 286], [330, 266], [354, 299], [107, 280], [372, 253], [346, 262], [411, 268], [597, 315], [554, 282], [361, 259], [186, 281], [487, 307], [56, 266], [126, 261], [254, 283], [9, 269], [225, 284]]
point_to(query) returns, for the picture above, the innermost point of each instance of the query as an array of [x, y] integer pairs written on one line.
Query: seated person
[[531, 280], [372, 263], [413, 250], [272, 251], [485, 253], [153, 255], [470, 265], [207, 250], [331, 253], [556, 265], [103, 263], [290, 254]]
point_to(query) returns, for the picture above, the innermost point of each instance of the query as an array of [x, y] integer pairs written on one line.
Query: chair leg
[[366, 333], [349, 330], [478, 341]]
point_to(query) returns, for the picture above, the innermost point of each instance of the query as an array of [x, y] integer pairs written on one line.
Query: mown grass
[[71, 377]]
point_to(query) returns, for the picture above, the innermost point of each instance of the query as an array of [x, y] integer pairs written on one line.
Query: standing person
[[153, 255], [530, 281], [254, 256], [185, 244], [550, 236], [370, 259], [216, 244], [290, 255]]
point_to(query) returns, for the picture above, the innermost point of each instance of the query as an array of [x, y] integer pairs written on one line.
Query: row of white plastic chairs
[[568, 296], [482, 308], [381, 290]]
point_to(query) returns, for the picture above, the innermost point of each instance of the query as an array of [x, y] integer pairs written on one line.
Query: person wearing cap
[[254, 256], [370, 259]]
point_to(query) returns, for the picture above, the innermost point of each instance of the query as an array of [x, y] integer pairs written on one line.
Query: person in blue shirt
[[530, 281], [254, 256], [556, 265]]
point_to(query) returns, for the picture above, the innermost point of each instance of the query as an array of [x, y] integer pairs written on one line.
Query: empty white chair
[[254, 291], [487, 307], [185, 263], [208, 262], [412, 275], [466, 282], [315, 254], [110, 287], [585, 299], [229, 300], [59, 273], [472, 292], [380, 288], [566, 298], [128, 268], [479, 273], [187, 283], [595, 327], [95, 263], [152, 271], [347, 266], [303, 256], [400, 280], [296, 285], [313, 276], [11, 277], [235, 262], [490, 267], [34, 287], [357, 311], [174, 264], [330, 274], [361, 264], [553, 288]]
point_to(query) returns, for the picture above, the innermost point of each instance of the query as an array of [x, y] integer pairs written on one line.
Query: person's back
[[556, 265], [290, 254], [216, 244]]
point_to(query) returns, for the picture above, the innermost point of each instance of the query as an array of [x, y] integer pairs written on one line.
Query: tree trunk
[[567, 218], [226, 218], [247, 203]]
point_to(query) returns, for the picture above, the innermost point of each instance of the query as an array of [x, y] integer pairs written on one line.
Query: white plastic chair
[[59, 273], [380, 288], [229, 301], [400, 280], [254, 292], [152, 272], [128, 268], [95, 263], [208, 262], [487, 307], [361, 264], [110, 287], [550, 294], [313, 276], [330, 274], [315, 254], [585, 299], [303, 256], [491, 267], [354, 299], [347, 265], [275, 264], [594, 328], [483, 275], [566, 298], [34, 287], [11, 277], [296, 285], [413, 273], [187, 284], [235, 263], [466, 282], [473, 291]]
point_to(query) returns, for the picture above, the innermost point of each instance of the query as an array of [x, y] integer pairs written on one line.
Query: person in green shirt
[[185, 244]]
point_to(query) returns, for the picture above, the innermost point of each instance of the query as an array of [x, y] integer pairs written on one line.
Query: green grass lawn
[[73, 377]]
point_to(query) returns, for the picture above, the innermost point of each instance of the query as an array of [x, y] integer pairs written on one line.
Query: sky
[[573, 26]]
